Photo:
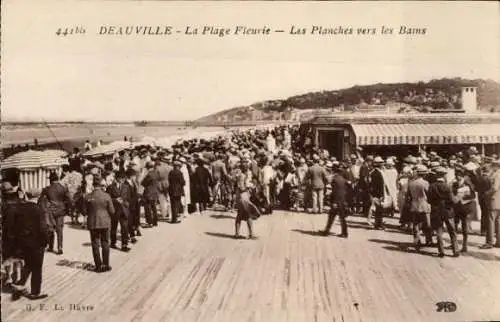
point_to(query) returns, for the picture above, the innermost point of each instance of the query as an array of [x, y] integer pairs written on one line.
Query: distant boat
[[141, 123]]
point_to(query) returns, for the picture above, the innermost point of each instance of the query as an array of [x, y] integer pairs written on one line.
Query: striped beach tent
[[35, 166]]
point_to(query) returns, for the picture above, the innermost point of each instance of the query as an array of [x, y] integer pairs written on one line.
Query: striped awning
[[35, 159], [426, 134]]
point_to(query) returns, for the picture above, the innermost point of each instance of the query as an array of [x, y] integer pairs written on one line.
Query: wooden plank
[[195, 272]]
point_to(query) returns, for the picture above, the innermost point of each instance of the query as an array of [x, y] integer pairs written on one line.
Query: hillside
[[398, 97]]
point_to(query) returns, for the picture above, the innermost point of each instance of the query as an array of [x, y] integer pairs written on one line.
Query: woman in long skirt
[[246, 210]]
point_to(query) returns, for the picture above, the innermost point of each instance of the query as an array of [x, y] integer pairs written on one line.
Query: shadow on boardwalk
[[76, 264], [222, 216], [308, 232], [220, 235]]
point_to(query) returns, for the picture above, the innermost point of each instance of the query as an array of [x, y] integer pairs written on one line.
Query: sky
[[96, 77]]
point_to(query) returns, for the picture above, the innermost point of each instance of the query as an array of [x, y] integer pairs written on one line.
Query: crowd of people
[[253, 173]]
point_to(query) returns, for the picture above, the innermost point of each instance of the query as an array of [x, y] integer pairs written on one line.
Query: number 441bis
[[70, 31]]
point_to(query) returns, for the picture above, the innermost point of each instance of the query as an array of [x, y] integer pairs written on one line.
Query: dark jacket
[[133, 197], [377, 184], [439, 195], [122, 209], [364, 176], [339, 190], [202, 181], [30, 227], [176, 183], [56, 200], [151, 184], [99, 209]]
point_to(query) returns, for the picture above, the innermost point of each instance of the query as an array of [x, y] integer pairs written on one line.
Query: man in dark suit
[[338, 203], [133, 205], [377, 191], [120, 194], [442, 210], [30, 236], [55, 200], [176, 184], [150, 195], [364, 184], [99, 209]]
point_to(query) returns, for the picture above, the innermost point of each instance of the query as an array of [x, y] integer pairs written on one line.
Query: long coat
[[99, 209], [30, 228], [418, 190], [441, 204], [151, 185], [124, 191], [176, 183], [202, 181]]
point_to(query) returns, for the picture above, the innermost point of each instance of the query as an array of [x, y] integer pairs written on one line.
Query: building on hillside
[[469, 99]]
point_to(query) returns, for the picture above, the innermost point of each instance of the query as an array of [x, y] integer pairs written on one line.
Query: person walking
[[99, 209], [442, 210], [56, 202], [246, 210], [338, 203], [30, 237], [176, 190]]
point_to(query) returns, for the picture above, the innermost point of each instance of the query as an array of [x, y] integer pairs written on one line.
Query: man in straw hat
[[378, 191], [419, 206], [99, 209], [30, 237], [442, 210]]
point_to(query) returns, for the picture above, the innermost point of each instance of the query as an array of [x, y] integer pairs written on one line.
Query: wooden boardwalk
[[195, 272]]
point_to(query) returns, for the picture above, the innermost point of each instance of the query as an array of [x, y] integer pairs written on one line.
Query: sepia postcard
[[250, 160]]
